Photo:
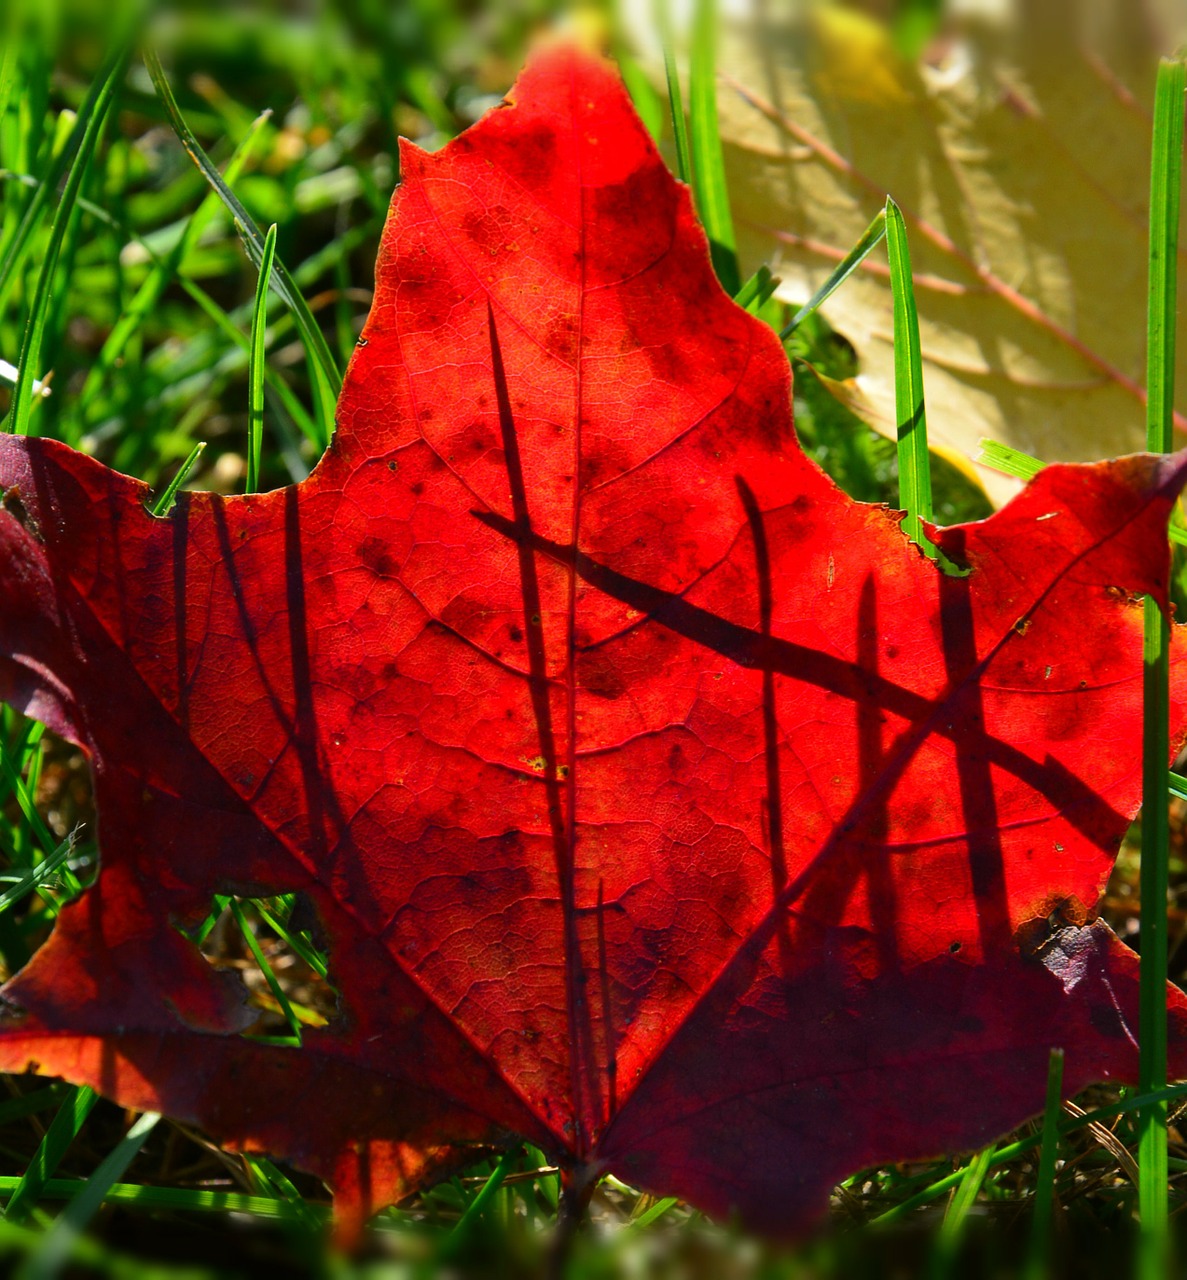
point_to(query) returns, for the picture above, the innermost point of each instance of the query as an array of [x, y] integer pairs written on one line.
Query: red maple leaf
[[658, 803]]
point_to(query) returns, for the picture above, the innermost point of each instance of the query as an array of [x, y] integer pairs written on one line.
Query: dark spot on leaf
[[376, 555]]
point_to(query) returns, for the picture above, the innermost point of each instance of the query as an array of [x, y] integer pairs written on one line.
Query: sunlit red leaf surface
[[657, 803]]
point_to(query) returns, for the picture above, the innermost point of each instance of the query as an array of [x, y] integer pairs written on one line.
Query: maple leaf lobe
[[658, 802]]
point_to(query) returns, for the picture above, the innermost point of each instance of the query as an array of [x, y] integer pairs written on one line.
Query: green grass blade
[[952, 1228], [652, 1214], [914, 24], [38, 876], [296, 941], [1165, 183], [1038, 1258], [164, 504], [322, 358], [65, 1127], [172, 1198], [476, 1207], [226, 322], [11, 771], [8, 62], [110, 80], [1165, 179], [1011, 1151], [165, 270], [255, 366], [913, 461], [276, 383], [273, 1179], [675, 97], [220, 904], [870, 238], [753, 295], [708, 160], [21, 240], [645, 100], [38, 836], [1011, 462], [270, 978], [56, 1248]]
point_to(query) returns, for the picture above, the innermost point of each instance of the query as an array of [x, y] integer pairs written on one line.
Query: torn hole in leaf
[[273, 946]]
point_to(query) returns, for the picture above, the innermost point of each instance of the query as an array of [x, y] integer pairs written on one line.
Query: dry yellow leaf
[[1018, 150]]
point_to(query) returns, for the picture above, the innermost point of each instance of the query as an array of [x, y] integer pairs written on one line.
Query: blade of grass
[[1011, 1151], [312, 957], [9, 373], [164, 504], [35, 830], [266, 968], [8, 62], [475, 1209], [754, 293], [12, 773], [226, 324], [273, 1179], [647, 103], [327, 378], [1038, 1258], [59, 1240], [708, 160], [177, 1198], [64, 1128], [111, 79], [255, 366], [220, 904], [1011, 462], [170, 1198], [226, 321], [952, 1228], [914, 465], [164, 270], [1166, 166], [21, 239], [870, 238], [675, 98], [652, 1214], [37, 877], [914, 24]]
